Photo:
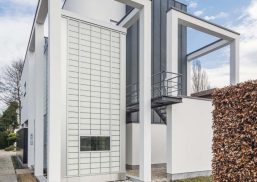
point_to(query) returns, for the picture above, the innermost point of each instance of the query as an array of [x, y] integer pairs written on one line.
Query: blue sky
[[222, 13], [240, 16], [14, 7], [16, 18]]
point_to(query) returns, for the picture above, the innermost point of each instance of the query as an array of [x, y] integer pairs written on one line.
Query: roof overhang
[[40, 17], [202, 25], [139, 4]]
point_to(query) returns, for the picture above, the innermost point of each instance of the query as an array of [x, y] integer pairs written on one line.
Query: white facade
[[92, 82], [191, 138], [24, 90], [32, 89], [93, 94], [76, 91]]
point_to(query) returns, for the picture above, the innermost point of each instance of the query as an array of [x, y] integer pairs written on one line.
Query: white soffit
[[92, 21]]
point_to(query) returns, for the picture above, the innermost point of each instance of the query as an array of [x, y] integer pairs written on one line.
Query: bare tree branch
[[200, 78], [10, 88]]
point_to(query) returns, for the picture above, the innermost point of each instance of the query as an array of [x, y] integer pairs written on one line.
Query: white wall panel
[[93, 96], [191, 136]]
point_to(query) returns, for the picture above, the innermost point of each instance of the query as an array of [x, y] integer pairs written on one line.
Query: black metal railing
[[168, 84], [164, 84]]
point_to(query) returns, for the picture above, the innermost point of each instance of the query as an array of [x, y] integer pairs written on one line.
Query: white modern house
[[108, 90]]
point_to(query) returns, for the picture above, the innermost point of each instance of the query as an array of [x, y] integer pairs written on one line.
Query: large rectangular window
[[94, 143]]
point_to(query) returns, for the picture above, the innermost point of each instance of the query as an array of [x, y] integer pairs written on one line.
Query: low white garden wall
[[191, 137]]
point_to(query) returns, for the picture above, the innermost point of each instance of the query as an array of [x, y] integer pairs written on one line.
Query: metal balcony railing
[[164, 84]]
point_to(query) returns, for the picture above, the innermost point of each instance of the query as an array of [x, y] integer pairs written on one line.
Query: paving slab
[[7, 172], [158, 174], [8, 178], [24, 171]]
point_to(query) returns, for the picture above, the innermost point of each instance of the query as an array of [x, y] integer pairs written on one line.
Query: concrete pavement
[[7, 172]]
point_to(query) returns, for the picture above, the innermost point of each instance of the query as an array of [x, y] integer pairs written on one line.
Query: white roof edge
[[201, 19], [69, 14], [31, 33]]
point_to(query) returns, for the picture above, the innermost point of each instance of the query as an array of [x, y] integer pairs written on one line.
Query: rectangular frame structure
[[227, 37]]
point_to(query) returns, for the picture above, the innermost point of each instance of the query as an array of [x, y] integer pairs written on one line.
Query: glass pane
[[94, 143]]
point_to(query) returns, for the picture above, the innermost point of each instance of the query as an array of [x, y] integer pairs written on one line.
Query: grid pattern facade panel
[[93, 97]]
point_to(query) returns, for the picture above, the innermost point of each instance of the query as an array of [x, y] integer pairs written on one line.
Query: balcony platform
[[156, 102]]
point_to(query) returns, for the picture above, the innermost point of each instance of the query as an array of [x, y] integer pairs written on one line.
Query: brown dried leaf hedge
[[235, 133]]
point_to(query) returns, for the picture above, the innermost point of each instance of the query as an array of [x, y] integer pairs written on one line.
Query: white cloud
[[252, 9], [209, 18], [14, 36], [16, 20], [247, 27], [218, 77], [218, 16], [192, 4], [25, 2], [198, 13], [248, 43]]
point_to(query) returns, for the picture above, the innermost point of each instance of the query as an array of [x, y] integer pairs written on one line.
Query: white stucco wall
[[24, 97], [158, 144], [28, 100], [191, 136], [103, 10], [31, 107]]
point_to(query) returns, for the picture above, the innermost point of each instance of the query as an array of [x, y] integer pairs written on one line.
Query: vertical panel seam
[[79, 98]]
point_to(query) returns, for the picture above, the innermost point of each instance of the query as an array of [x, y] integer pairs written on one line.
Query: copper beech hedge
[[235, 133]]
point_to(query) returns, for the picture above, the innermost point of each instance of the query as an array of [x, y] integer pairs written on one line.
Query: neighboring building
[[207, 94], [109, 90]]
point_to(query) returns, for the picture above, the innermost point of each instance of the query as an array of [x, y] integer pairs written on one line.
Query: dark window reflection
[[88, 143]]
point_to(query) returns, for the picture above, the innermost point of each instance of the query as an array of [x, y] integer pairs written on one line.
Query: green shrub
[[10, 148], [7, 139], [3, 139], [12, 138]]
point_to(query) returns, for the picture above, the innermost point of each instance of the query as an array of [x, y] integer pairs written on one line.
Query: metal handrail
[[166, 72], [168, 84]]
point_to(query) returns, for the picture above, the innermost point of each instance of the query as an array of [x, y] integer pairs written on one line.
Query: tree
[[200, 78], [9, 118], [10, 88]]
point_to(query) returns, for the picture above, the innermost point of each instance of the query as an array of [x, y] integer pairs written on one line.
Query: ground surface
[[159, 175], [10, 171], [7, 172], [200, 179], [26, 178]]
